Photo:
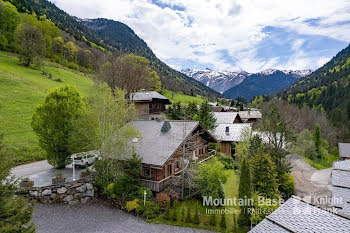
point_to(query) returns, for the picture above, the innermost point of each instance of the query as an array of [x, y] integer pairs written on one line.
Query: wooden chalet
[[149, 103], [250, 116], [161, 147]]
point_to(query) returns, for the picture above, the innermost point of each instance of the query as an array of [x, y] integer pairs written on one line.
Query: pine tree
[[244, 192], [317, 140], [167, 213], [191, 110], [188, 216], [206, 116], [183, 216], [235, 225], [174, 216], [15, 213], [196, 216], [264, 179], [223, 221], [212, 220]]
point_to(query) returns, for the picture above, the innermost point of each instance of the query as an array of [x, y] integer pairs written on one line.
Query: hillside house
[[229, 134], [228, 130], [227, 117], [149, 104], [296, 215], [344, 150], [250, 116], [160, 147]]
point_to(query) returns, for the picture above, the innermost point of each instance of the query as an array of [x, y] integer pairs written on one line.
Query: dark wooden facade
[[152, 107], [157, 178]]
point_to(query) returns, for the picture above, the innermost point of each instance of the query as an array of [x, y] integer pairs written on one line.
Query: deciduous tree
[[52, 122]]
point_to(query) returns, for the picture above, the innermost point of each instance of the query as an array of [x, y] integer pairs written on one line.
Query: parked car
[[84, 160]]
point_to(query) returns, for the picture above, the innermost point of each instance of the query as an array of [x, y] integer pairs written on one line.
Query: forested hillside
[[327, 89], [117, 38]]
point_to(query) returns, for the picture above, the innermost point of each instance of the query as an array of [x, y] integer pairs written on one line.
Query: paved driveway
[[95, 218], [42, 173]]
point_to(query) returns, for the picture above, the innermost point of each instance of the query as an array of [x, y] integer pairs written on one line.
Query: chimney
[[166, 127]]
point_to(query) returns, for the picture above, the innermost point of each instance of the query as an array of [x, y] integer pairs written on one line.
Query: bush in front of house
[[167, 212], [140, 193], [163, 200], [124, 187], [226, 160], [174, 215], [286, 184], [131, 205], [149, 210], [188, 216]]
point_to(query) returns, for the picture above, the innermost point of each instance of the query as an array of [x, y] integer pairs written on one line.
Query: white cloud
[[232, 25]]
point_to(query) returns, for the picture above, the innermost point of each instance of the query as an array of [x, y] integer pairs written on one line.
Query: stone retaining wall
[[78, 191]]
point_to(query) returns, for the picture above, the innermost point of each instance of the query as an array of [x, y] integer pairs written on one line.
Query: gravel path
[[310, 182], [95, 217]]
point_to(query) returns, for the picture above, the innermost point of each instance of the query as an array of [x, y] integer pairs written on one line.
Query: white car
[[84, 159]]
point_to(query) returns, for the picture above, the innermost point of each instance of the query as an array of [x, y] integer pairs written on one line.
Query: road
[[96, 217], [30, 169], [310, 182]]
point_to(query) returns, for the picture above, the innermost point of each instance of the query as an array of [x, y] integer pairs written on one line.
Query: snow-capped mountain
[[217, 80], [297, 73], [247, 85]]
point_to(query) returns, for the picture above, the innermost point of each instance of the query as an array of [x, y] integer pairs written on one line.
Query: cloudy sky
[[249, 35]]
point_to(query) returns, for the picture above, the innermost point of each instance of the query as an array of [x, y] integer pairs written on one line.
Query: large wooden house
[[148, 103], [161, 147]]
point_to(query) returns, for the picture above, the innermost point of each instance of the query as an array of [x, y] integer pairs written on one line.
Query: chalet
[[148, 103], [250, 116], [227, 117], [229, 134], [228, 130], [341, 187], [344, 150], [297, 215], [161, 148]]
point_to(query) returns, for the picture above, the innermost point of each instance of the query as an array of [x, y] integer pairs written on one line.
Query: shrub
[[132, 205], [174, 216], [183, 213], [167, 212], [124, 186], [163, 200], [149, 210], [286, 184], [109, 190], [223, 221], [188, 216], [140, 193], [196, 216], [212, 220], [226, 160]]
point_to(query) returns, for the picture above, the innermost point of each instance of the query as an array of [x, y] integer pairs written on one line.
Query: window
[[177, 165], [169, 170], [147, 172]]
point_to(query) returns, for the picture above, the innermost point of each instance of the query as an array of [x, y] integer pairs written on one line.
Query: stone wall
[[78, 191]]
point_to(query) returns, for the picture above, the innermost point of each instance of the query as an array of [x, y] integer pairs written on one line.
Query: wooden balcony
[[158, 186]]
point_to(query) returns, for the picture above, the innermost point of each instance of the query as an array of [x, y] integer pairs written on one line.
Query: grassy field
[[231, 191], [183, 99], [21, 90], [319, 164]]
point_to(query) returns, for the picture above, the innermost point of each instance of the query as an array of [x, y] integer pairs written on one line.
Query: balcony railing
[[158, 186]]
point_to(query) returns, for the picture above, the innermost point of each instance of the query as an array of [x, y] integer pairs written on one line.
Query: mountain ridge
[[222, 81]]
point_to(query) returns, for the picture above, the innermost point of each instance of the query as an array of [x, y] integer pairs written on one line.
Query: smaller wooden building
[[149, 102], [250, 116]]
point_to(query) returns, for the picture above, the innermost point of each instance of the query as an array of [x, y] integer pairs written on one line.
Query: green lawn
[[21, 90], [231, 191], [183, 99], [319, 164]]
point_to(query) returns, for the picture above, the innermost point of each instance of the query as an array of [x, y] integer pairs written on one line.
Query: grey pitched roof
[[344, 150], [155, 147], [298, 216], [235, 131], [250, 114], [225, 117], [341, 178], [341, 186], [342, 165], [147, 96]]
